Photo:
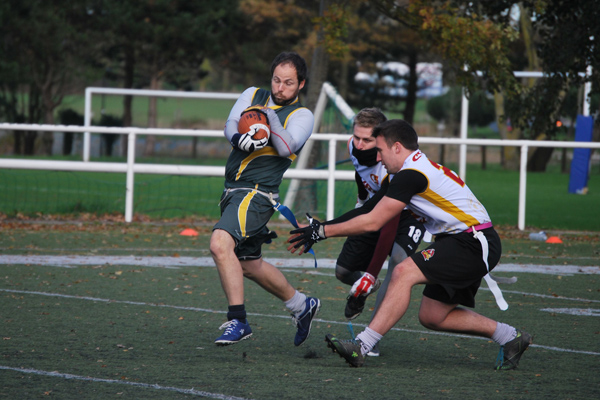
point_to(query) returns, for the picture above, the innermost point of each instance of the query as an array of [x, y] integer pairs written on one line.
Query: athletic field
[[105, 310]]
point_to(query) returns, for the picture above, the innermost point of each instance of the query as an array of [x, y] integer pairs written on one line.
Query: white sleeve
[[291, 139], [243, 102]]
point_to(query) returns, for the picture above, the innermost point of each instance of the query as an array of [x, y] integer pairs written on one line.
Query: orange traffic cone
[[554, 239]]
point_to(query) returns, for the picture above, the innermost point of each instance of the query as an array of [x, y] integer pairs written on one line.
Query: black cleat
[[347, 349], [511, 352], [356, 305]]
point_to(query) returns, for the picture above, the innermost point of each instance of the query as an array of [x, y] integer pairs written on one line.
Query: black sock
[[237, 312]]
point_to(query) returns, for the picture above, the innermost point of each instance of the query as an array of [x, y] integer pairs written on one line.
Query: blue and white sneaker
[[235, 330], [304, 321]]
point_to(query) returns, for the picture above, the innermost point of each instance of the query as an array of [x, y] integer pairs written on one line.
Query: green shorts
[[244, 215]]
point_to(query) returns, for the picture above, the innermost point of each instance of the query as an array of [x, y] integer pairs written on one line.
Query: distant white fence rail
[[90, 91], [331, 174]]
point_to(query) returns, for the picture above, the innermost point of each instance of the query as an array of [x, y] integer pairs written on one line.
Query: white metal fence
[[89, 92], [130, 168]]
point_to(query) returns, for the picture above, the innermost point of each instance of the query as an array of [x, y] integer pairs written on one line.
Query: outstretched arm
[[383, 212], [373, 221]]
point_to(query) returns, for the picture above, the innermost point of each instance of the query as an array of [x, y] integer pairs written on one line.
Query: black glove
[[308, 235]]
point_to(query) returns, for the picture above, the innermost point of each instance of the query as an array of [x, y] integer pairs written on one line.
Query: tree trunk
[[411, 95], [48, 137], [67, 146], [34, 111], [29, 148], [127, 100], [343, 89], [539, 159], [151, 139], [510, 155], [483, 158], [306, 200], [18, 142]]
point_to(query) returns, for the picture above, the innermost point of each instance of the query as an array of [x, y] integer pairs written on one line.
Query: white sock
[[369, 339], [297, 303], [504, 333]]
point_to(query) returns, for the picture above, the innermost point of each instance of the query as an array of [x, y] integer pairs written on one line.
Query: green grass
[[549, 206], [147, 325], [170, 111]]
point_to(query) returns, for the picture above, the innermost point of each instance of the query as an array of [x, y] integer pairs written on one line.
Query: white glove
[[249, 144], [363, 286]]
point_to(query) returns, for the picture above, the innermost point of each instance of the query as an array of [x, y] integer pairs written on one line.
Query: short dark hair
[[369, 118], [398, 130], [294, 59]]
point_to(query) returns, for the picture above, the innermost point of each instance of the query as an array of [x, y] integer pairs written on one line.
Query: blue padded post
[[580, 165]]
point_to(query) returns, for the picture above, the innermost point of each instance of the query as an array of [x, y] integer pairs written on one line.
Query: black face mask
[[368, 158]]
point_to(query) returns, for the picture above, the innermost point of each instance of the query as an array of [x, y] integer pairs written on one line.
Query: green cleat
[[511, 352], [347, 349]]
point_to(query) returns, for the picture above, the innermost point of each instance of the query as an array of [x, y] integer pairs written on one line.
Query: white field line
[[121, 382], [297, 262], [421, 332], [588, 312]]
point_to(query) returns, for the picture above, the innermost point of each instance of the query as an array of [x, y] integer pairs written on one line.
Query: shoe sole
[[310, 325], [223, 343], [334, 349]]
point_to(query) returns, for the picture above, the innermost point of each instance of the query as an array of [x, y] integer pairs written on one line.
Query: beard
[[284, 102]]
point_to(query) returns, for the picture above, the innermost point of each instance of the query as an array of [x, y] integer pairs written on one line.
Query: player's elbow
[[373, 224]]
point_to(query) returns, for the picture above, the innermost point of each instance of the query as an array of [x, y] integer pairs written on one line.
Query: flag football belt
[[283, 210], [492, 284], [479, 227]]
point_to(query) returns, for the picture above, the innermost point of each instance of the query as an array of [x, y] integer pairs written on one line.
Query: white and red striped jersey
[[447, 205]]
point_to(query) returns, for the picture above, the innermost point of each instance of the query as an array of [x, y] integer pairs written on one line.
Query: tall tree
[[165, 40], [48, 40]]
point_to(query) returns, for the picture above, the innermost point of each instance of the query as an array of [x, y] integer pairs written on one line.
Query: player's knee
[[343, 275], [219, 243], [401, 270], [398, 254], [429, 322]]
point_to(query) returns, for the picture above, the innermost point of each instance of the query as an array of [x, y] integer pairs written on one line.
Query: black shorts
[[358, 250], [244, 215], [454, 266]]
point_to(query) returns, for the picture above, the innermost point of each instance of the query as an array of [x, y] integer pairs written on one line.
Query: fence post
[[522, 186], [464, 127], [331, 179], [87, 121], [129, 179]]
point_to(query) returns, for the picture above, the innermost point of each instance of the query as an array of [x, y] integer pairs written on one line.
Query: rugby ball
[[255, 121]]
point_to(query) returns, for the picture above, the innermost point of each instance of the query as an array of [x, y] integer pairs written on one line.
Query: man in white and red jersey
[[466, 248], [362, 256]]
